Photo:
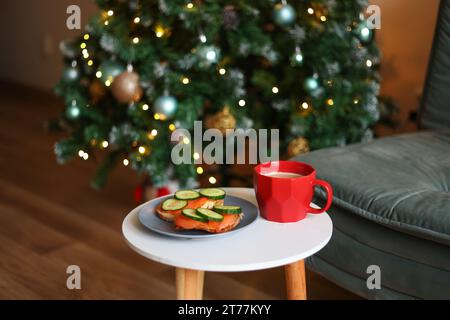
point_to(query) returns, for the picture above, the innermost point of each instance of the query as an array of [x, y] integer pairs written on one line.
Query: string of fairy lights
[[284, 15]]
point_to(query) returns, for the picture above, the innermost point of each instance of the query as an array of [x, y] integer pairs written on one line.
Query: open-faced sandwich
[[200, 210]]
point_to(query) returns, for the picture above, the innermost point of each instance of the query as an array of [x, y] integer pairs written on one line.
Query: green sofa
[[392, 199]]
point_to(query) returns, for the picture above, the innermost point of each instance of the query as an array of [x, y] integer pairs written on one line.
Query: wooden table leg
[[189, 284], [295, 280]]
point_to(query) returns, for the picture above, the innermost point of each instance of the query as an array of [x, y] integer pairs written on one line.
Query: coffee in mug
[[281, 174], [284, 190]]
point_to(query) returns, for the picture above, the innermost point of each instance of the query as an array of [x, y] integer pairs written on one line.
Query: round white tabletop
[[261, 245]]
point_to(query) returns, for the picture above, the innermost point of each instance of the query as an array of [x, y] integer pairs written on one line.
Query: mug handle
[[329, 191]]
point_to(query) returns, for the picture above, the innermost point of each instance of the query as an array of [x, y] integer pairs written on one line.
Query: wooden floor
[[50, 218]]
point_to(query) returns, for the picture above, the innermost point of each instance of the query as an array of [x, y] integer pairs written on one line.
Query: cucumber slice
[[192, 214], [173, 204], [213, 193], [187, 195], [228, 209], [209, 214]]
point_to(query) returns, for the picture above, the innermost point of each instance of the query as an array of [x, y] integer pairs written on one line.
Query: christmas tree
[[143, 68]]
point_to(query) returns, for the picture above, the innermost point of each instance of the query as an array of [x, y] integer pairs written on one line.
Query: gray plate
[[149, 219]]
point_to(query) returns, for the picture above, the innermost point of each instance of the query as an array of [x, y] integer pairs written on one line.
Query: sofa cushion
[[401, 182], [435, 110]]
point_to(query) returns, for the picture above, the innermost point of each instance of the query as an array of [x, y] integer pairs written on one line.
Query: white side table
[[261, 245]]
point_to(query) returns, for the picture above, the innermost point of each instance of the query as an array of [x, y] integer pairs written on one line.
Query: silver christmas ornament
[[110, 70], [297, 57], [364, 33], [73, 111], [165, 105], [311, 83], [209, 54], [71, 74], [284, 14]]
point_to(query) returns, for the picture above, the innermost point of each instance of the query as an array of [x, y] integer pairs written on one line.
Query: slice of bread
[[165, 215], [229, 227], [205, 226]]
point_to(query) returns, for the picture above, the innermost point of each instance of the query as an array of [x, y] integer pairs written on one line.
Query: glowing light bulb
[[86, 37], [142, 150], [190, 5], [185, 80], [157, 116], [108, 83], [172, 127], [74, 111], [310, 10], [365, 32], [202, 38], [83, 45], [145, 107], [186, 140], [199, 170], [90, 63], [110, 13], [323, 18], [105, 144], [154, 132], [369, 63], [305, 105], [126, 162], [241, 103], [135, 40], [98, 74], [85, 156], [212, 180], [211, 55], [137, 20], [222, 71], [81, 153], [196, 155], [275, 90], [330, 102], [159, 31]]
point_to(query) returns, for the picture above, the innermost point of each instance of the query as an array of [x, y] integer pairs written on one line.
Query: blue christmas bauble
[[284, 14], [71, 74], [209, 54], [364, 33], [110, 69], [311, 83], [73, 111], [297, 58], [165, 105]]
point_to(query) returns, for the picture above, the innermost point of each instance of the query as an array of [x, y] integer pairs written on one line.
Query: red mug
[[287, 199]]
